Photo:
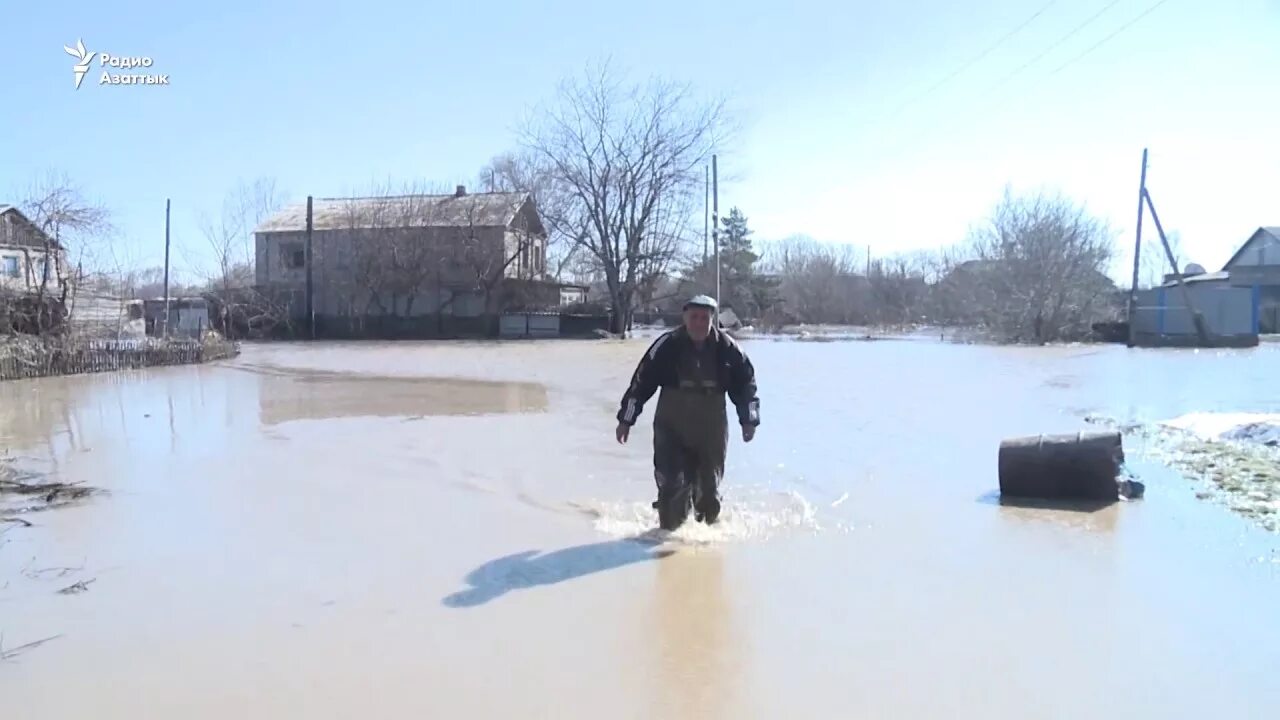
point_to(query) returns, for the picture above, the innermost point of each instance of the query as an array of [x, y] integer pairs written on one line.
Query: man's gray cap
[[705, 301]]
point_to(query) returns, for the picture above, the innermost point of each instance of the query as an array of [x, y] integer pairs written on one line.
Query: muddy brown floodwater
[[449, 530]]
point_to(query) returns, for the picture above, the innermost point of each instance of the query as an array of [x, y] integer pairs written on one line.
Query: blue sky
[[849, 133]]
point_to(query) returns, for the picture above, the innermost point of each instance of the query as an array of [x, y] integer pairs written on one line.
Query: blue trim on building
[[1160, 312], [1257, 309]]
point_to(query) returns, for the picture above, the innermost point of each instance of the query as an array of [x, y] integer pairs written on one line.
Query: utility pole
[[1202, 331], [311, 314], [715, 229], [166, 267], [1144, 200], [1137, 251], [706, 209]]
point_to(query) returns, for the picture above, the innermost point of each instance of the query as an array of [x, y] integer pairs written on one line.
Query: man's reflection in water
[[697, 651]]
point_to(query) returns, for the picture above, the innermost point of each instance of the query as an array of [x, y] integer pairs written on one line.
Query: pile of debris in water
[[1238, 453], [1246, 482], [22, 493], [1237, 456]]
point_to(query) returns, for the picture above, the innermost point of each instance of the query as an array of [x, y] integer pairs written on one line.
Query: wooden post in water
[[166, 268], [311, 314], [1201, 330], [1137, 251]]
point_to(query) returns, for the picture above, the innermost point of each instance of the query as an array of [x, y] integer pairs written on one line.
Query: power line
[[1106, 39], [1152, 8], [1003, 39], [1055, 45]]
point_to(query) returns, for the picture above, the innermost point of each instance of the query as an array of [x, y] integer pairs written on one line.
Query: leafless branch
[[74, 233], [621, 163]]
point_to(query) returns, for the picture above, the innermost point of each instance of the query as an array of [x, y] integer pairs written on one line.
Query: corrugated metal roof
[[478, 209], [1220, 276]]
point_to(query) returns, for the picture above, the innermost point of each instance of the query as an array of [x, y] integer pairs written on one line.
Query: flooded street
[[449, 530]]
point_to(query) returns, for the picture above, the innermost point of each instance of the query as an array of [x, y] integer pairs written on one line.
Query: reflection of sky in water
[[311, 395], [58, 413]]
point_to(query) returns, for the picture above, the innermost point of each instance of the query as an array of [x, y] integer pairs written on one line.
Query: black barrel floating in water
[[1083, 466]]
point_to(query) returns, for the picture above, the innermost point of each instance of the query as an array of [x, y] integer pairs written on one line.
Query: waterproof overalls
[[690, 435], [690, 427]]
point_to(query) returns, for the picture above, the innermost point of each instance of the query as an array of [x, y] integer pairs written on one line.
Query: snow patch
[[1260, 428]]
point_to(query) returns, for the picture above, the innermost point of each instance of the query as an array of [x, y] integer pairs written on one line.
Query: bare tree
[[626, 158], [406, 246], [898, 289], [525, 172], [819, 282], [230, 235], [230, 240], [1153, 266], [71, 225], [1038, 272], [490, 263], [394, 254]]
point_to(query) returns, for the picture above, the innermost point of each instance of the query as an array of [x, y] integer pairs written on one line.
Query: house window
[[292, 256], [10, 267]]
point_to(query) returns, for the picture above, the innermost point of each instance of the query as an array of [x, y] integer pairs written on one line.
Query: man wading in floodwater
[[695, 365]]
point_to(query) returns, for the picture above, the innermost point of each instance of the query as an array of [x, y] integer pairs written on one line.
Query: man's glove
[[748, 432]]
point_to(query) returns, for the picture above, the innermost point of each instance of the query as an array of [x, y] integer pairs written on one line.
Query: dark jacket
[[657, 368]]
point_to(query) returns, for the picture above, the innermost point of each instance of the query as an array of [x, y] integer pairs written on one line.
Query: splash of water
[[745, 517]]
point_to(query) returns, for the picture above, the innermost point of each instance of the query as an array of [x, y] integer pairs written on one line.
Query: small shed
[[188, 317]]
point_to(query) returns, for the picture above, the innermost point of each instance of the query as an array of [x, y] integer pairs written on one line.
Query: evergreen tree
[[737, 260], [740, 287]]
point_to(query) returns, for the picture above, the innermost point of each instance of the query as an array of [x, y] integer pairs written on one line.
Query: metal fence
[[31, 358], [437, 327], [529, 325], [1226, 310]]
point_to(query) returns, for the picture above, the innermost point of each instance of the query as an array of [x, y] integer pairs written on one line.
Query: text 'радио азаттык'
[[116, 61]]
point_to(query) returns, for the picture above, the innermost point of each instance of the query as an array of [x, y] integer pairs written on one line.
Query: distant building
[[27, 254], [1256, 265], [573, 294], [1238, 303], [462, 254], [188, 317]]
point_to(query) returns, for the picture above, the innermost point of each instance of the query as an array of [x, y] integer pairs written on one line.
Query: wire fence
[[31, 358]]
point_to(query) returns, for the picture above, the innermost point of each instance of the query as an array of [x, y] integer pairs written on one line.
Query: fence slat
[[21, 359]]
